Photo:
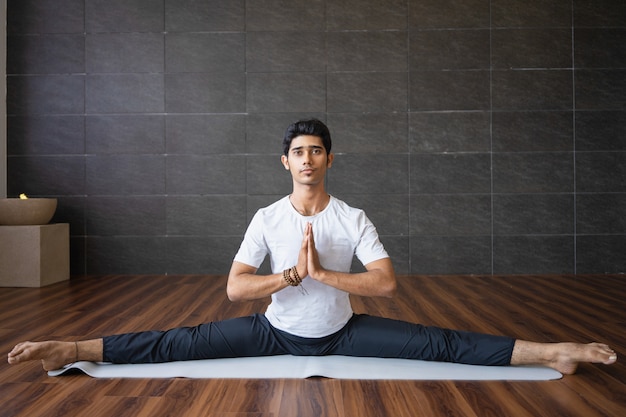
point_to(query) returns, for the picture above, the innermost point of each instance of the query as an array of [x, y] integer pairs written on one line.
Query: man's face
[[307, 160]]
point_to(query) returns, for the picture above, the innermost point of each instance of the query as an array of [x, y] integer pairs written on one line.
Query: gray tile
[[600, 254], [450, 173], [398, 249], [50, 16], [125, 174], [531, 48], [599, 13], [367, 51], [266, 175], [601, 213], [125, 255], [600, 48], [533, 214], [445, 255], [539, 172], [46, 175], [45, 135], [533, 131], [273, 92], [198, 175], [71, 209], [135, 134], [449, 49], [367, 92], [205, 93], [450, 215], [388, 212], [45, 94], [205, 134], [358, 174], [125, 216], [283, 51], [533, 255], [532, 90], [269, 15], [206, 215], [77, 255], [124, 93], [352, 15], [368, 133], [601, 130], [201, 255], [49, 54], [449, 132], [124, 52], [600, 89], [531, 13], [449, 90], [204, 15], [449, 14], [205, 52], [265, 131], [603, 172], [124, 16]]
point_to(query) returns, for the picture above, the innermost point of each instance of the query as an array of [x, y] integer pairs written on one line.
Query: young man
[[311, 238]]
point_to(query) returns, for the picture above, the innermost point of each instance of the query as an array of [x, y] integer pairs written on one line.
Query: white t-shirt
[[340, 232]]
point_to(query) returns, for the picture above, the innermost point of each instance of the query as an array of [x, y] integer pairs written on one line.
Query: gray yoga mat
[[339, 367]]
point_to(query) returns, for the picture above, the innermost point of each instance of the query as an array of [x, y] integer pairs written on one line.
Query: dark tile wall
[[481, 136]]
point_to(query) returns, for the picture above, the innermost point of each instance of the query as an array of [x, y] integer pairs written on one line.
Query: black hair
[[312, 127]]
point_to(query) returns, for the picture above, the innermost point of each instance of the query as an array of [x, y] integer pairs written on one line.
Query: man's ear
[[329, 160], [285, 162]]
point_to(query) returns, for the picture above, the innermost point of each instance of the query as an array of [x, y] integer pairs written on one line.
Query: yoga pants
[[363, 335]]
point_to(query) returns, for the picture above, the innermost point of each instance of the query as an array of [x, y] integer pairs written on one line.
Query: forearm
[[378, 281], [247, 285]]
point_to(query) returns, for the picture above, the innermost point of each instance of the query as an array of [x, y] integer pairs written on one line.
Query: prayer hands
[[308, 259]]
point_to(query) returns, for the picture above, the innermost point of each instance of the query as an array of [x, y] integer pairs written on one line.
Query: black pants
[[363, 335]]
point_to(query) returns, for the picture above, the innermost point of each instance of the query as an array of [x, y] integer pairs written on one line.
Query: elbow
[[233, 296], [233, 293], [390, 290]]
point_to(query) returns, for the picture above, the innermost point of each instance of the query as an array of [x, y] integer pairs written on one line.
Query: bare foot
[[567, 356], [53, 355]]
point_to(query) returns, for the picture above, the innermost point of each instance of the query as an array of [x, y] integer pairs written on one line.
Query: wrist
[[291, 276]]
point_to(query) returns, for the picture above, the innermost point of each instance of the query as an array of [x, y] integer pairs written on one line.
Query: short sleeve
[[253, 249], [369, 247]]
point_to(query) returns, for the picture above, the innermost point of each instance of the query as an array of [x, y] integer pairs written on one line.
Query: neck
[[309, 203]]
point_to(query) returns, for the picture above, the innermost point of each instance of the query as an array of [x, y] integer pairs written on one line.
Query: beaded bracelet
[[295, 275], [295, 280]]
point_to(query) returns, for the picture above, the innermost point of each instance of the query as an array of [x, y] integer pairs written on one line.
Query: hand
[[303, 256], [314, 267], [308, 258]]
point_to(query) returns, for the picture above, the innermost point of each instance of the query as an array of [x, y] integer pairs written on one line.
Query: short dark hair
[[312, 127]]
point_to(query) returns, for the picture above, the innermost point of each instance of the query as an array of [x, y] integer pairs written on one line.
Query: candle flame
[[23, 197]]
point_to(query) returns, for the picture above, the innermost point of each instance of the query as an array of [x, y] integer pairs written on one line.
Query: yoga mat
[[339, 367]]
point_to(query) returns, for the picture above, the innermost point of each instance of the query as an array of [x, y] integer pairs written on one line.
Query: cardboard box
[[34, 256]]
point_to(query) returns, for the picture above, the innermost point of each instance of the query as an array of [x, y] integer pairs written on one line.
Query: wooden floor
[[542, 308]]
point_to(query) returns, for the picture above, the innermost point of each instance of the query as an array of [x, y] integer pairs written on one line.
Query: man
[[311, 238]]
